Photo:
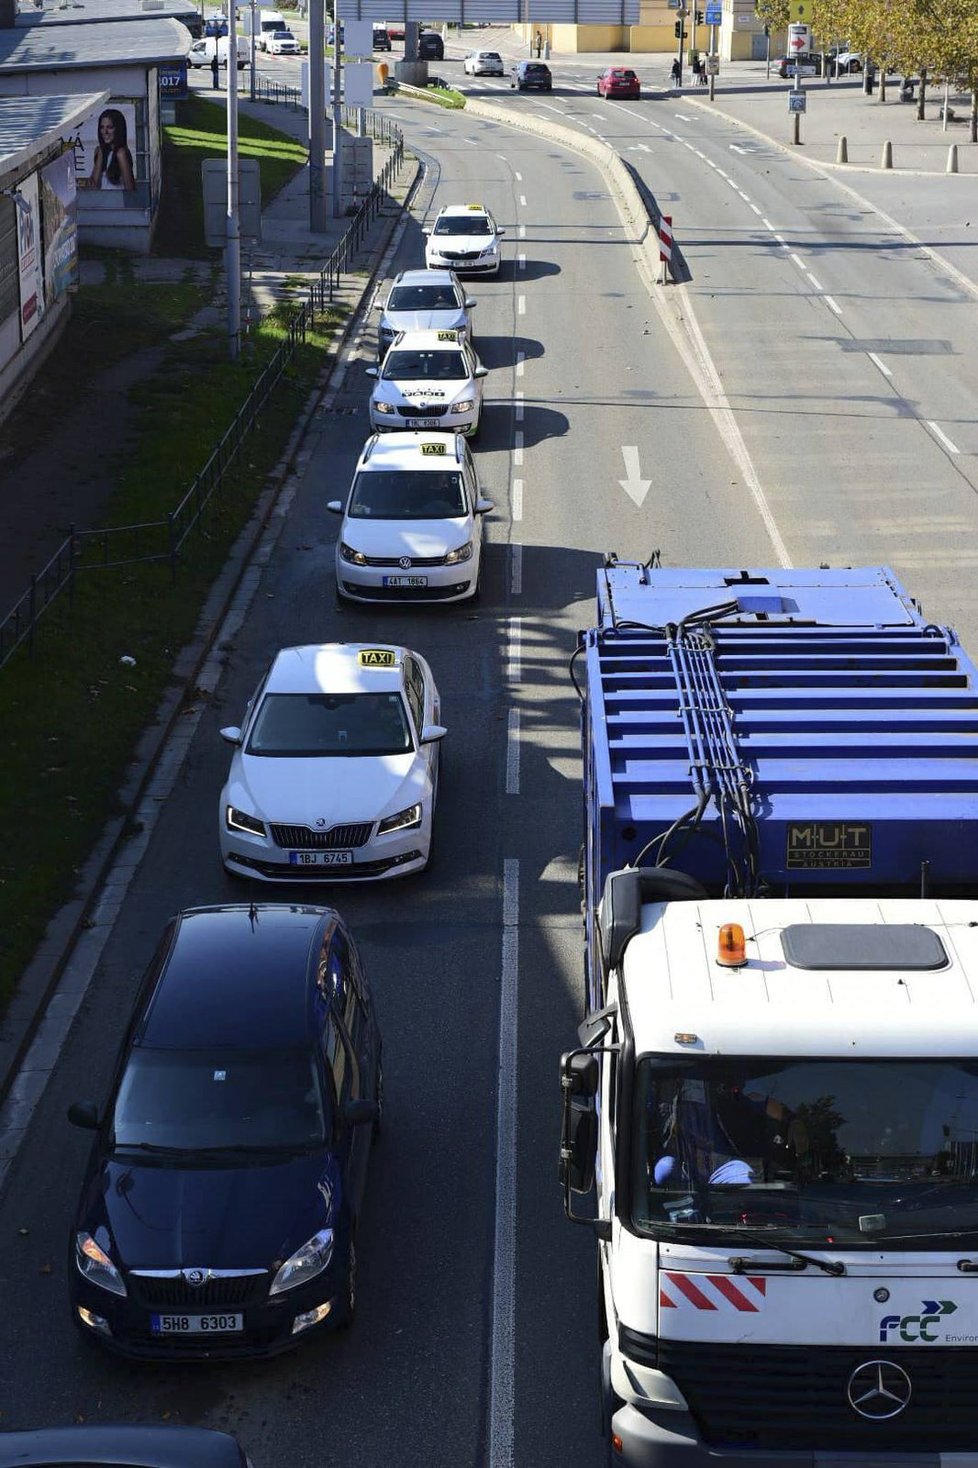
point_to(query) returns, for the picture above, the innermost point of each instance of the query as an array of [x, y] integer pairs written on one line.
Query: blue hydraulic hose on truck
[[771, 1118]]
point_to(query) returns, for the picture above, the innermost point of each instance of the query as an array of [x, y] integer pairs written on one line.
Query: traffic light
[[679, 30], [698, 14]]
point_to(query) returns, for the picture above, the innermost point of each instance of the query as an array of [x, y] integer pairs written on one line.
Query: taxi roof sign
[[448, 336], [377, 657], [475, 206], [432, 448]]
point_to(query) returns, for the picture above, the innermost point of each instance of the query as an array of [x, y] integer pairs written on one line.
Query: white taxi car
[[463, 238], [335, 768], [428, 379], [412, 523], [424, 300], [483, 63]]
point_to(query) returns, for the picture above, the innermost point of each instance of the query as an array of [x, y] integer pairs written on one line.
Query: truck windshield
[[856, 1152]]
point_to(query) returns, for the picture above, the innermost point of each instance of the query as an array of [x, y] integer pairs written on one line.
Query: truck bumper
[[669, 1439]]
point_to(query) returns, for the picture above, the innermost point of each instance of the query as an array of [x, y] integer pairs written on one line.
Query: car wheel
[[348, 1308]]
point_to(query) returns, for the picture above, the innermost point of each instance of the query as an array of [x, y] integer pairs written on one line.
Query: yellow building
[[740, 36]]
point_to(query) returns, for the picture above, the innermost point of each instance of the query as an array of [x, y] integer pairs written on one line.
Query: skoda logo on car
[[195, 1276], [879, 1390]]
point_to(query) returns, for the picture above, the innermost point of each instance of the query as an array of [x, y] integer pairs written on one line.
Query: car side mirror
[[378, 305], [483, 506], [500, 232], [359, 1113], [431, 733], [481, 372], [371, 371], [335, 507], [470, 301], [84, 1114], [426, 231], [231, 735]]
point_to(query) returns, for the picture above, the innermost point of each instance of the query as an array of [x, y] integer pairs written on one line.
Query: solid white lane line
[[513, 752], [516, 570], [881, 365], [520, 363], [745, 197], [514, 652], [517, 497], [833, 305], [520, 406], [813, 280], [952, 448], [502, 1357], [798, 260], [517, 447], [645, 147], [521, 305]]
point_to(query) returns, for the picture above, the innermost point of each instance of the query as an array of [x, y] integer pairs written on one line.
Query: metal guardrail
[[163, 540]]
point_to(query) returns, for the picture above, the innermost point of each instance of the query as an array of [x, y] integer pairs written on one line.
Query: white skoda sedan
[[428, 379], [335, 769], [464, 238], [412, 524]]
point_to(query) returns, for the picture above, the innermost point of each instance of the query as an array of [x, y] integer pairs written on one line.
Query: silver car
[[424, 300]]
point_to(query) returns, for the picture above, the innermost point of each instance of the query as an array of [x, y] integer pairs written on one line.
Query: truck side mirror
[[577, 1150], [579, 1073]]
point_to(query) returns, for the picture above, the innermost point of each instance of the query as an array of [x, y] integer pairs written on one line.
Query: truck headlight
[[96, 1266], [305, 1263], [403, 821], [240, 820], [355, 557], [464, 553]]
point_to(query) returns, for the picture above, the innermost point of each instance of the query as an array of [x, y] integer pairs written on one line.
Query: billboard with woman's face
[[108, 148]]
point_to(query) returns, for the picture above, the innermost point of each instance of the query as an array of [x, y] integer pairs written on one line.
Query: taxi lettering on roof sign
[[432, 448], [474, 206], [377, 657], [448, 336]]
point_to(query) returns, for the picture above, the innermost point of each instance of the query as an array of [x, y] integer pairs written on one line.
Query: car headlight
[[403, 821], [305, 1263], [96, 1266], [465, 406], [347, 553], [464, 553], [381, 407], [240, 820]]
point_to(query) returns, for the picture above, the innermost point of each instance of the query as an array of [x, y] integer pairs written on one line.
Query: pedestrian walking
[[696, 64], [538, 42], [677, 72], [216, 67], [702, 71]]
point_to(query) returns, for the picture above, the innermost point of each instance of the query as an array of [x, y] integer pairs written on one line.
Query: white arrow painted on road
[[738, 149], [634, 486]]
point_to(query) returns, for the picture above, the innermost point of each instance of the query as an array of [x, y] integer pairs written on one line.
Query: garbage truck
[[770, 1120]]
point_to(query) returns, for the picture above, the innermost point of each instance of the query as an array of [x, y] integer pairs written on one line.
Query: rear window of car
[[536, 71]]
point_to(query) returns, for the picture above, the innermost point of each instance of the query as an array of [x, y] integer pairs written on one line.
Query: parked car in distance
[[382, 41], [201, 52], [792, 66], [619, 81], [282, 43], [431, 46], [532, 76], [483, 63], [151, 1446], [218, 1216]]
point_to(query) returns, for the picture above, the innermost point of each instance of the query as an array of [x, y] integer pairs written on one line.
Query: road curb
[[46, 969]]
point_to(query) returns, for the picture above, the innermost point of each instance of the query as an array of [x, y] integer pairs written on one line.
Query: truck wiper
[[740, 1265]]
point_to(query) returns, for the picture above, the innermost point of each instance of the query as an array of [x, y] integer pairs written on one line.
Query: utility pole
[[680, 38], [254, 16], [317, 116], [233, 247], [713, 61], [337, 115]]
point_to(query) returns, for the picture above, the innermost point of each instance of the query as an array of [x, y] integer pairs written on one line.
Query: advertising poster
[[59, 214], [29, 255], [106, 155]]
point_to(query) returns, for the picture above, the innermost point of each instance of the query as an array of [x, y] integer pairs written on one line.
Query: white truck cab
[[776, 1107]]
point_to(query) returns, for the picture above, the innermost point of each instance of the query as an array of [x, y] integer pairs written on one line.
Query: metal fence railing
[[164, 540]]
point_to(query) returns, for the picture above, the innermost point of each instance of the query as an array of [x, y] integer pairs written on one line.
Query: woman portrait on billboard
[[112, 168]]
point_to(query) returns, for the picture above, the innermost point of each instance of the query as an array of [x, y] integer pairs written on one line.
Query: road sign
[[800, 10], [713, 14], [713, 66], [799, 39], [797, 101]]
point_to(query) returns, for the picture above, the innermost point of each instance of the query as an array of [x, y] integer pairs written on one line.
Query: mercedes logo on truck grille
[[879, 1390]]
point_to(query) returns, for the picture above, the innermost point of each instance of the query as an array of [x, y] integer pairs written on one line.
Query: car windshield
[[215, 1098], [463, 224], [421, 298], [863, 1153], [337, 724], [407, 494], [424, 366]]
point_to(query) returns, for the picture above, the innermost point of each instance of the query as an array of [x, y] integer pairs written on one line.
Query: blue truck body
[[777, 731]]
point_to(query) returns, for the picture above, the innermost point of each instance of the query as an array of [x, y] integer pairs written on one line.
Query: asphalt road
[[475, 1341]]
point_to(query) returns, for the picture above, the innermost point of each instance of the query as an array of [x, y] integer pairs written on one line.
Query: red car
[[618, 81]]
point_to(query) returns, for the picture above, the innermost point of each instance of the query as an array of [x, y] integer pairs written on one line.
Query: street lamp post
[[254, 14], [233, 247]]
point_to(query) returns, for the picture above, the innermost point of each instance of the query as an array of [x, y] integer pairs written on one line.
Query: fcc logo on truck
[[822, 845]]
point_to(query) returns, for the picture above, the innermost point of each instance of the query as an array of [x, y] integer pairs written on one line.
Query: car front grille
[[395, 562], [338, 838], [794, 1398], [436, 410], [460, 254], [172, 1292]]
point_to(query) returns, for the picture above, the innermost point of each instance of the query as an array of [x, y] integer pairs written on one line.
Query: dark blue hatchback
[[220, 1206]]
